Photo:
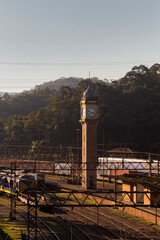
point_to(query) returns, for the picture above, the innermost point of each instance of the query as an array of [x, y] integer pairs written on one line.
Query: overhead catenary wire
[[78, 63], [95, 64]]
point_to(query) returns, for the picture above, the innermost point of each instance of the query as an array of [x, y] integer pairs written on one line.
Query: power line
[[74, 63], [44, 79]]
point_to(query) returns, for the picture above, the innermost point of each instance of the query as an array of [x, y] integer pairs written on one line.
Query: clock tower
[[89, 117]]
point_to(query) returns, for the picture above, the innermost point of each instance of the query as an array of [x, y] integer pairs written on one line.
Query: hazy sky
[[42, 40]]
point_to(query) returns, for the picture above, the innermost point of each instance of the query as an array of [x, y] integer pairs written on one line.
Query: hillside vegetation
[[128, 112]]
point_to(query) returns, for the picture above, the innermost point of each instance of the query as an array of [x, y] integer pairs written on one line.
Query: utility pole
[[32, 203], [150, 165], [78, 158], [103, 158], [13, 191], [115, 184]]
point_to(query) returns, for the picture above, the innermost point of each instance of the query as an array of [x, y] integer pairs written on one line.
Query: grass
[[53, 176], [141, 179], [10, 229], [64, 196], [136, 219], [4, 235]]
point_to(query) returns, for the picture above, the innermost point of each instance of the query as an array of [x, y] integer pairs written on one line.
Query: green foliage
[[24, 103], [4, 235], [140, 179], [128, 112], [2, 131]]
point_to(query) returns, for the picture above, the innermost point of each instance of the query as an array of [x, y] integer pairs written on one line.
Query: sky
[[43, 40]]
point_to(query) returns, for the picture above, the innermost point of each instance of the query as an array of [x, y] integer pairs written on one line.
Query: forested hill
[[71, 82], [39, 97], [128, 112]]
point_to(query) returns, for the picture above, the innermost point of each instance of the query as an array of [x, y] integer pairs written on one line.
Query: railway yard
[[79, 222]]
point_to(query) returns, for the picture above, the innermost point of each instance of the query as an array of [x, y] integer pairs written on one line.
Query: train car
[[25, 182], [130, 164], [63, 168], [39, 178], [22, 182]]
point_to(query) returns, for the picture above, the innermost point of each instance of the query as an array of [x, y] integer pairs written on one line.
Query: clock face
[[91, 112]]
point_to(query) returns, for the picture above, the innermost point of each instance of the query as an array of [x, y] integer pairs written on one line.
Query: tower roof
[[89, 94]]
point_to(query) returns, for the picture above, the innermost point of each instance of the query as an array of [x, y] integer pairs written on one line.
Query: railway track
[[79, 229], [45, 226], [137, 229], [89, 227], [81, 224], [96, 231], [74, 231], [115, 227], [44, 231], [76, 228], [110, 227], [127, 229]]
